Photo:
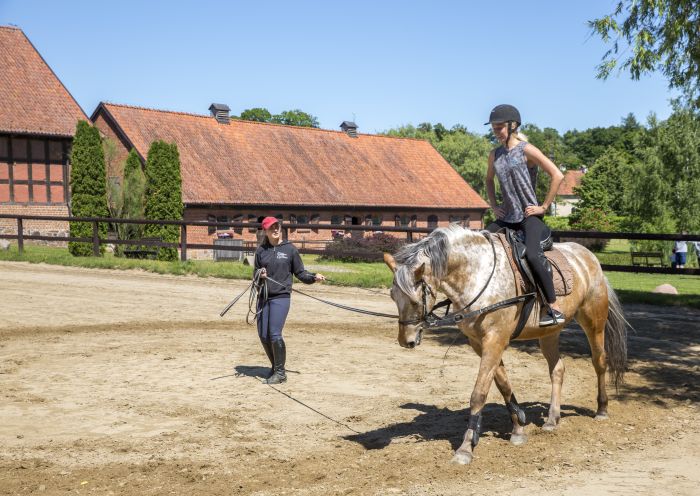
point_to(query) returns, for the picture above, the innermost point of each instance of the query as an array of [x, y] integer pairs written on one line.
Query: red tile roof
[[32, 99], [572, 179], [252, 163]]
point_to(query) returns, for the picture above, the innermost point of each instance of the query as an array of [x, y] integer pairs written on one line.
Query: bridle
[[429, 320]]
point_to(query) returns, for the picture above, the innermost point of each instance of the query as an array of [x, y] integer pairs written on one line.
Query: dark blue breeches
[[272, 318]]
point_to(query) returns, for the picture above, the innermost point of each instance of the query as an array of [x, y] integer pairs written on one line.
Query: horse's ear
[[389, 260], [418, 274]]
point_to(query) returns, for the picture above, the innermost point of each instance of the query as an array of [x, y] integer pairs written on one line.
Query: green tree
[[678, 149], [163, 195], [127, 200], [602, 187], [295, 118], [88, 185], [654, 35], [256, 114], [468, 154]]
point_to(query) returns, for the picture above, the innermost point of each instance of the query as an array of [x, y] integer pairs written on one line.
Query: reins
[[429, 319]]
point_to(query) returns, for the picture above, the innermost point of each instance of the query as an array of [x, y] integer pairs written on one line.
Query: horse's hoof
[[518, 439], [549, 426], [602, 416], [462, 457]]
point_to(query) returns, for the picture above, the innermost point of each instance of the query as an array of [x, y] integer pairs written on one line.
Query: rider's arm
[[536, 157]]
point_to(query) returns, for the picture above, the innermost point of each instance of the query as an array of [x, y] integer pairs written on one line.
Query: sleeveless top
[[517, 181]]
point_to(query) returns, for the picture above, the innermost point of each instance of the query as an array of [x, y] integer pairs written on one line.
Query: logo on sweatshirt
[[281, 256]]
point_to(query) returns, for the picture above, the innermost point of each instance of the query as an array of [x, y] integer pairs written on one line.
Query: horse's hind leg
[[592, 316], [517, 415], [550, 349]]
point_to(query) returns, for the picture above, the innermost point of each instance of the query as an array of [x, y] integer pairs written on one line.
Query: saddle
[[513, 244]]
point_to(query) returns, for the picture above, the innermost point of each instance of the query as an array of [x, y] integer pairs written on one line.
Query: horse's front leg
[[491, 353], [517, 415]]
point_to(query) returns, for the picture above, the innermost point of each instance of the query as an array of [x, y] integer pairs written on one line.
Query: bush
[[557, 223], [366, 249], [596, 220]]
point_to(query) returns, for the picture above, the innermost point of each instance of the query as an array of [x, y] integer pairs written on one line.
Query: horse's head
[[414, 292]]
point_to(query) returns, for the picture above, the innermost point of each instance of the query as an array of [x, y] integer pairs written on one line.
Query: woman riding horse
[[515, 163], [474, 273]]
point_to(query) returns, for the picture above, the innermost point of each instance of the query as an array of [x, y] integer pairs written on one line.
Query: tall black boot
[[279, 352], [268, 351]]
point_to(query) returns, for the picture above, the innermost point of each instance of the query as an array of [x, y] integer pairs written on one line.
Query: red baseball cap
[[268, 222]]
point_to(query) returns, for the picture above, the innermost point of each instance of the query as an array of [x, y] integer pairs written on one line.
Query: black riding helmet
[[504, 113]]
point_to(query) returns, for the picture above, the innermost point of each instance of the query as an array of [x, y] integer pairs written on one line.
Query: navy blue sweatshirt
[[281, 262]]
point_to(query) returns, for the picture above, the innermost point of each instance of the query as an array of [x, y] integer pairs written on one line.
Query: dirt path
[[130, 383]]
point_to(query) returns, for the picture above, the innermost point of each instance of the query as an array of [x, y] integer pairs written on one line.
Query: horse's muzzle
[[415, 341]]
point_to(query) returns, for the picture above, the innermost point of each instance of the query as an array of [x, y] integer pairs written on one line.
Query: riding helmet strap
[[475, 426], [514, 409]]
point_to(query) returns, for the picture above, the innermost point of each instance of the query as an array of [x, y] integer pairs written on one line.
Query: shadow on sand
[[434, 423]]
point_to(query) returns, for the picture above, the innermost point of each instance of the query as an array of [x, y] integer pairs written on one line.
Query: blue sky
[[383, 63]]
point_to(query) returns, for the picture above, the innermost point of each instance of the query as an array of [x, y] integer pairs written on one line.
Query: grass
[[631, 288]]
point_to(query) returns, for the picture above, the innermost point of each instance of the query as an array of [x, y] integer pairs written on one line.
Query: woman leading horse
[[474, 272]]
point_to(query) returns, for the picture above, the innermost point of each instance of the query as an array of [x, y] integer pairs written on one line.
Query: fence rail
[[183, 244]]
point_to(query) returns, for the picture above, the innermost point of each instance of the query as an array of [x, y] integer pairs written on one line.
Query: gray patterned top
[[517, 181]]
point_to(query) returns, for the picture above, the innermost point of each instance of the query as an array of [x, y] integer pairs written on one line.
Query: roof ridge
[[16, 28], [247, 122]]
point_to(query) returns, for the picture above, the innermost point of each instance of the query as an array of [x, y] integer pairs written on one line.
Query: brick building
[[38, 117], [566, 198], [234, 170]]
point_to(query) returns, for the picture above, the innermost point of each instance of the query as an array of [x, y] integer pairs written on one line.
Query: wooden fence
[[183, 245]]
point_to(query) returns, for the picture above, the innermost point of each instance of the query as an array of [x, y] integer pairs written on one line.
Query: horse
[[472, 270]]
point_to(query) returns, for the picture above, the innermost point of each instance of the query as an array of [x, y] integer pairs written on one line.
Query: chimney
[[350, 128], [220, 112]]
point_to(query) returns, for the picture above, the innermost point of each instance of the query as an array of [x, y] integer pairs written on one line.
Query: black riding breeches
[[533, 228]]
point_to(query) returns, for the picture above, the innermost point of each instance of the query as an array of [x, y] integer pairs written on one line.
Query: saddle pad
[[562, 274]]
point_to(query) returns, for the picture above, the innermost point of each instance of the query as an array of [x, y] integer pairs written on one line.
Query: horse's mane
[[434, 249]]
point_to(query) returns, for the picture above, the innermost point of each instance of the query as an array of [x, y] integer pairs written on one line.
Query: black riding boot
[[268, 351], [279, 351]]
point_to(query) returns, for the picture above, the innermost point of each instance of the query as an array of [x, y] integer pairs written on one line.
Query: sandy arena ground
[[130, 383]]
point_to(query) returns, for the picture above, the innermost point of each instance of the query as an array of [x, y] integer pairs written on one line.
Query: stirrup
[[552, 317]]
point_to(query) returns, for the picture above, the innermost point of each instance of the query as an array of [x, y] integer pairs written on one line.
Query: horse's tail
[[616, 337]]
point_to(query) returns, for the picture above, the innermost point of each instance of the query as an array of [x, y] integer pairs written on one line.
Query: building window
[[222, 219], [252, 218], [33, 171], [315, 219], [237, 218], [211, 229], [432, 221], [414, 221]]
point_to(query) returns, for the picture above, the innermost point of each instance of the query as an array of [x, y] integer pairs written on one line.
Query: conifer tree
[[163, 195], [88, 185]]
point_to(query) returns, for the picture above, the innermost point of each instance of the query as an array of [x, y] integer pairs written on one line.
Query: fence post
[[95, 239], [183, 243], [20, 236]]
